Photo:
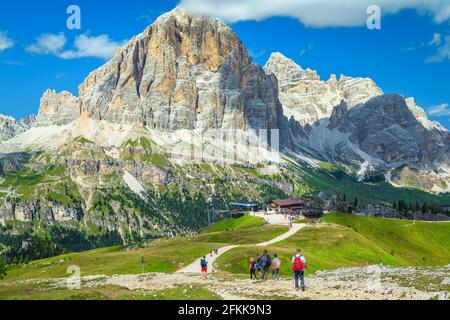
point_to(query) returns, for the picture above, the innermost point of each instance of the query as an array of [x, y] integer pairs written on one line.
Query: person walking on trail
[[265, 265], [204, 265], [276, 266], [298, 266], [252, 269]]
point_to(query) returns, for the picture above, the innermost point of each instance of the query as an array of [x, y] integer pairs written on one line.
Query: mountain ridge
[[193, 73]]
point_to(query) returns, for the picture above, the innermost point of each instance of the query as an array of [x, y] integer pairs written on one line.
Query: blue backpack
[[258, 264], [265, 261]]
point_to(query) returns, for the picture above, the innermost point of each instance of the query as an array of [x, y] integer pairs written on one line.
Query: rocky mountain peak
[[307, 98], [421, 116], [183, 72], [337, 115], [289, 73]]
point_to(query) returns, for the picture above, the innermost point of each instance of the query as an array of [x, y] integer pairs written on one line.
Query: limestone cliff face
[[183, 72], [307, 98], [58, 108], [387, 128], [387, 135]]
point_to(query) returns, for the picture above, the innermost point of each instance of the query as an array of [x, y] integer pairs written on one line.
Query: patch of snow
[[134, 184]]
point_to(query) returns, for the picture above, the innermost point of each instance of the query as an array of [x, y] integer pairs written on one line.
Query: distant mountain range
[[107, 158]]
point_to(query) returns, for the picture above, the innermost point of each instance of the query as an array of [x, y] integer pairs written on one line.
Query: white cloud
[[440, 110], [442, 51], [5, 41], [315, 13], [48, 43], [84, 46]]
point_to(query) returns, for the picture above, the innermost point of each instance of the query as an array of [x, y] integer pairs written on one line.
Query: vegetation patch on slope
[[334, 180]]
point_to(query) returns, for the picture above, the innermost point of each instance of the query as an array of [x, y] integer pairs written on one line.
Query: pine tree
[[3, 264], [424, 208], [355, 203]]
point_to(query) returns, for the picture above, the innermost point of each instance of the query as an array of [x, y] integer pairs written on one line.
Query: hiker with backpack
[[204, 265], [265, 265], [298, 267], [276, 266], [252, 269]]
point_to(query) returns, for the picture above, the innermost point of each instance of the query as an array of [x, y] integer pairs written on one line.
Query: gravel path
[[365, 283], [195, 266]]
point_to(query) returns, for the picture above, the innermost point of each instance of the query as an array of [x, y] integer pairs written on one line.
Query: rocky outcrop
[[142, 171], [34, 211], [307, 98], [387, 129], [12, 162], [422, 117], [10, 127], [58, 108]]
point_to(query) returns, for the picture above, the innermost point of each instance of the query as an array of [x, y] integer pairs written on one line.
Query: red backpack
[[298, 264]]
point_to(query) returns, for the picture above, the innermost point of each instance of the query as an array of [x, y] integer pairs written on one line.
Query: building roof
[[242, 204], [288, 202]]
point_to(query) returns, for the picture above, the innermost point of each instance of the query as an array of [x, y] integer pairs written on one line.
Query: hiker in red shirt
[[298, 268]]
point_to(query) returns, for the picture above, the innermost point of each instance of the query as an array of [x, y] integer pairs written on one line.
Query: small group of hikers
[[263, 264]]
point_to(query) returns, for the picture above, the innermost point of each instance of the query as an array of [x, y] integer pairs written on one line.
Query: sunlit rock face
[[58, 108], [184, 72], [307, 98]]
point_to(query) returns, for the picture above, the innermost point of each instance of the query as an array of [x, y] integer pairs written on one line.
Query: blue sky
[[401, 57]]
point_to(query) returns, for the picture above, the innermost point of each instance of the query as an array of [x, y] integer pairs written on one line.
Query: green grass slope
[[235, 224], [410, 242], [355, 241]]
